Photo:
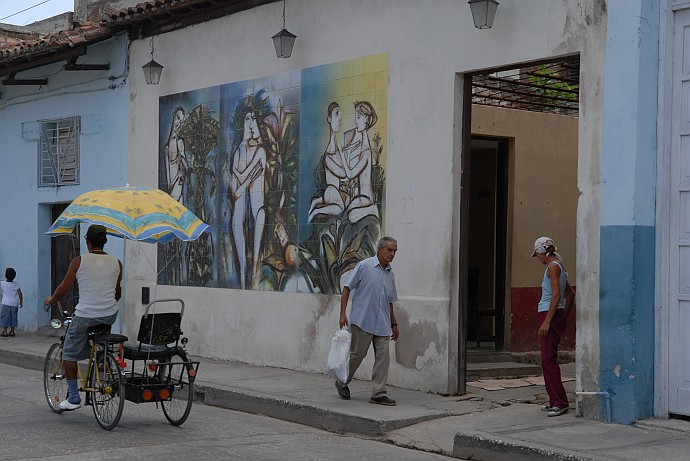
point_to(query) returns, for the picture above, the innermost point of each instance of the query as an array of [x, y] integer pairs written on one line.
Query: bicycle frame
[[83, 378], [101, 378]]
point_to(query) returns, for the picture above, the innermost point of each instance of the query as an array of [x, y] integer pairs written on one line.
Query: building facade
[[299, 165]]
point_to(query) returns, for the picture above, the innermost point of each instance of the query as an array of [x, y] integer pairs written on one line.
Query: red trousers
[[549, 359]]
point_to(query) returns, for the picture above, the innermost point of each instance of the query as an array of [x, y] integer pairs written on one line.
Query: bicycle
[[103, 379]]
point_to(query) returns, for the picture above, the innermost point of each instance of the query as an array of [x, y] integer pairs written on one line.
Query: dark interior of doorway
[[488, 205], [63, 249]]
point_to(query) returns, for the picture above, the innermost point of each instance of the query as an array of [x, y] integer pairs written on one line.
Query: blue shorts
[[76, 338], [8, 316]]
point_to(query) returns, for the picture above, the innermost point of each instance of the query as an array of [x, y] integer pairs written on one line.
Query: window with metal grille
[[58, 153]]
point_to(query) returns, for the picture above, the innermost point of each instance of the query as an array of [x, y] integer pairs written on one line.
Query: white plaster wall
[[102, 104], [589, 184], [426, 46]]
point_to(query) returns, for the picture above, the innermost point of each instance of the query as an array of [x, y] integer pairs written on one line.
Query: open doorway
[[519, 182], [63, 249], [487, 232]]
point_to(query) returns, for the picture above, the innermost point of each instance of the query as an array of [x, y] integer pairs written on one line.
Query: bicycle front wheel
[[176, 374], [107, 390], [54, 382]]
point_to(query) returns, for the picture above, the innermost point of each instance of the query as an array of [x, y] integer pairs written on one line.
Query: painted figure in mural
[[247, 182], [557, 300], [372, 319], [358, 155], [175, 160], [335, 198]]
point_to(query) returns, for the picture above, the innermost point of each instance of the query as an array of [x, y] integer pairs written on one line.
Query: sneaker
[[383, 400], [68, 406], [546, 407], [343, 390], [557, 411]]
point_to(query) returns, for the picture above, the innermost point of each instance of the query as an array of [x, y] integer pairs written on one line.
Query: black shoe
[[383, 400], [556, 411], [343, 390]]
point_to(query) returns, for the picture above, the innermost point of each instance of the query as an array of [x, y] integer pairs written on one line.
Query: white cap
[[542, 243]]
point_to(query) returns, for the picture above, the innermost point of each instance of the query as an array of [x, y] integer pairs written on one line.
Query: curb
[[308, 415], [483, 447], [22, 359]]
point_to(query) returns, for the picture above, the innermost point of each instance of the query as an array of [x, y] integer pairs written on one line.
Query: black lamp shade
[[283, 41], [483, 13], [152, 72]]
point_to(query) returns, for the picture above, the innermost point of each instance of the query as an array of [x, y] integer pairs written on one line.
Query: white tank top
[[97, 276]]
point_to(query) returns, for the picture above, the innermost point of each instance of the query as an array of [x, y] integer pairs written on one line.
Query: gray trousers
[[358, 350]]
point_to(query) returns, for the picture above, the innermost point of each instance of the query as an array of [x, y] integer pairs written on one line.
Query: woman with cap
[[99, 275], [557, 299]]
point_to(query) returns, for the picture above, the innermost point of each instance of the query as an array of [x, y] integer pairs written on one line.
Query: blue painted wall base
[[626, 320]]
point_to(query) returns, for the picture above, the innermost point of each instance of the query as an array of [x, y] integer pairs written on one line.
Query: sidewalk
[[504, 423]]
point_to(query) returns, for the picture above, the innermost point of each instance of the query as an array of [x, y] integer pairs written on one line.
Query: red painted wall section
[[524, 323]]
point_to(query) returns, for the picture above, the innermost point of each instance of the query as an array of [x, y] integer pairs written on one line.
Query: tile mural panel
[[289, 172]]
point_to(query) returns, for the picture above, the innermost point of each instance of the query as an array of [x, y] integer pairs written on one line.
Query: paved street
[[31, 431]]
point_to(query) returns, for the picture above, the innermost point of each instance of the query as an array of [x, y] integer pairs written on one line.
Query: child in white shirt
[[12, 300]]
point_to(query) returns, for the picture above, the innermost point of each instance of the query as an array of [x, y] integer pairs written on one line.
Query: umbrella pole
[[124, 287]]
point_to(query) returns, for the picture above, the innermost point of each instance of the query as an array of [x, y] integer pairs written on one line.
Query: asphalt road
[[29, 430]]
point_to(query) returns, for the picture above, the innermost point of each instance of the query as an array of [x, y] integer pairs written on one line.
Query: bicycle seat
[[111, 338], [101, 334], [148, 351]]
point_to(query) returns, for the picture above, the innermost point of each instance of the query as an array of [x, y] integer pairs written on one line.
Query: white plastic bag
[[339, 355]]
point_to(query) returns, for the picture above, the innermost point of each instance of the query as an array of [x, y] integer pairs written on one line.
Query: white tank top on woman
[[546, 293], [97, 276]]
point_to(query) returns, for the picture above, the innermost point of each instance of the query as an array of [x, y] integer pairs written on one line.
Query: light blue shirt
[[546, 293], [373, 290]]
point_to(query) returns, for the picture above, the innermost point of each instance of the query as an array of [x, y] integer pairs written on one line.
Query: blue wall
[[102, 101], [627, 234]]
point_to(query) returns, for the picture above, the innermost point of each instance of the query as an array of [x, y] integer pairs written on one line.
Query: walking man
[[371, 317]]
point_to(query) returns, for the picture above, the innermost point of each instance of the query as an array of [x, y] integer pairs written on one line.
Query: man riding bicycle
[[99, 276]]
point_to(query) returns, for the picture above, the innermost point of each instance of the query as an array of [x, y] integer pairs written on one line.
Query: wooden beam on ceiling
[[10, 80], [29, 63], [72, 65]]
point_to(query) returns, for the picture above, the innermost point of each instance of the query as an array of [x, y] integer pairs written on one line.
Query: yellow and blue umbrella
[[136, 213]]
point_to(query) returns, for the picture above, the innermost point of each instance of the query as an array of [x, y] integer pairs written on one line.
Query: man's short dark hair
[[10, 274], [96, 234]]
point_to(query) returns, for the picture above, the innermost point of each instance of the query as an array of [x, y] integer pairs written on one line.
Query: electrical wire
[[25, 9]]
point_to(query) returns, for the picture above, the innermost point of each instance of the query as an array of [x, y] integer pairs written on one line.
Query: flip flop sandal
[[4, 335], [11, 334]]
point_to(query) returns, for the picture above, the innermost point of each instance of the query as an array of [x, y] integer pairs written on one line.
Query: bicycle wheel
[[54, 382], [177, 408], [108, 398]]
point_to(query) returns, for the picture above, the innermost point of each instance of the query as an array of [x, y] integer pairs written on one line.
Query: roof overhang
[[145, 19]]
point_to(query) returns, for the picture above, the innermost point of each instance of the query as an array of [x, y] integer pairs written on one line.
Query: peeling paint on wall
[[419, 342]]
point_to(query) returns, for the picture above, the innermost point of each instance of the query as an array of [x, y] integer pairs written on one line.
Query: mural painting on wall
[[289, 172]]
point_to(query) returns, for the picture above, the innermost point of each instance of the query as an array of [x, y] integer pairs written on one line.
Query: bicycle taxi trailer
[[159, 369]]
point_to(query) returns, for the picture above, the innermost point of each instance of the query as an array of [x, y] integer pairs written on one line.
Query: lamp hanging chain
[[283, 14], [152, 48]]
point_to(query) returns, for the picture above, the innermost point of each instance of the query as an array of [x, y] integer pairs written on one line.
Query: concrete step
[[498, 370], [483, 356]]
